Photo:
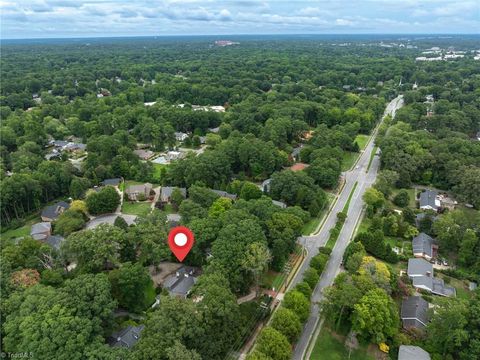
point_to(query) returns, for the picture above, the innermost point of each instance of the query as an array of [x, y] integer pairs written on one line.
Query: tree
[[219, 207], [68, 222], [298, 303], [274, 344], [288, 323], [311, 277], [95, 250], [375, 316], [132, 287], [190, 210], [318, 262], [79, 206], [386, 180], [256, 261], [104, 201], [468, 189], [177, 198], [178, 351], [121, 223], [373, 198], [469, 248], [176, 320], [402, 199], [446, 331]]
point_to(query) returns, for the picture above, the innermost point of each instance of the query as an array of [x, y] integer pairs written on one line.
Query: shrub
[[311, 277], [304, 288]]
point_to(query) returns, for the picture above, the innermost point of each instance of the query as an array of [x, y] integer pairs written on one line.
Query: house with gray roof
[[137, 192], [265, 187], [111, 182], [418, 268], [429, 200], [279, 204], [414, 313], [143, 154], [408, 352], [127, 337], [167, 191], [424, 246], [41, 230], [181, 282], [55, 241], [421, 273], [52, 212], [225, 194]]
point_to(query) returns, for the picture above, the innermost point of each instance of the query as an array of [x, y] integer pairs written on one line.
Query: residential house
[[181, 282], [143, 154], [279, 204], [295, 154], [151, 103], [55, 241], [75, 147], [203, 139], [137, 192], [174, 155], [127, 337], [111, 182], [173, 220], [424, 246], [162, 160], [52, 212], [225, 194], [217, 129], [167, 191], [41, 230], [265, 187], [421, 273], [414, 313], [55, 154], [429, 200], [409, 352], [180, 136]]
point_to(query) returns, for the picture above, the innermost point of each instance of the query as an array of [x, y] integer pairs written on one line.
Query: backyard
[[330, 346], [137, 208]]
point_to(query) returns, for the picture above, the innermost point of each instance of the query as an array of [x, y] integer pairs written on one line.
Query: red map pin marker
[[180, 241]]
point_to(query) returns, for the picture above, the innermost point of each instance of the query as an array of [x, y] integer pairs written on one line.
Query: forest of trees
[[278, 95]]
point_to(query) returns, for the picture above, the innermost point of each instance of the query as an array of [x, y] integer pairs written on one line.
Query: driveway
[[109, 219]]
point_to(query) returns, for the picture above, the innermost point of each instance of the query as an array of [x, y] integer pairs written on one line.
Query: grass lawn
[[349, 159], [157, 171], [411, 193], [272, 279], [313, 223], [21, 231], [462, 290], [362, 140], [136, 208], [149, 295], [330, 347]]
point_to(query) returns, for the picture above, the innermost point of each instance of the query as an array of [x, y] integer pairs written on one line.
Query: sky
[[104, 18]]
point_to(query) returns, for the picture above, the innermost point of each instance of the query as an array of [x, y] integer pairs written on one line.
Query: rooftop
[[428, 198], [298, 167], [423, 243], [415, 308], [408, 352], [419, 267], [128, 337]]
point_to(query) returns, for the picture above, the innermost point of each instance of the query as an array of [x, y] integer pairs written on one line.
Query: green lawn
[[272, 279], [329, 347], [411, 193], [362, 140], [313, 223], [149, 295], [136, 208], [157, 172], [349, 159], [21, 231], [462, 291]]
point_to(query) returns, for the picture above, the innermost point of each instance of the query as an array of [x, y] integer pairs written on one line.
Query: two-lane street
[[365, 179]]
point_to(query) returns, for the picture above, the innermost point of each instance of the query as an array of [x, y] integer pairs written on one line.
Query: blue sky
[[70, 18]]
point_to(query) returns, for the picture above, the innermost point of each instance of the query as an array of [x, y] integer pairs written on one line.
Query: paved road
[[312, 243]]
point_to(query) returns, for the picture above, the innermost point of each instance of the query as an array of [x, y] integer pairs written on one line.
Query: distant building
[[295, 154], [143, 154], [225, 194], [111, 182], [127, 338], [279, 204], [414, 313], [429, 200], [408, 352], [214, 130], [167, 191], [52, 212], [181, 283], [181, 136], [41, 230], [424, 246], [136, 192]]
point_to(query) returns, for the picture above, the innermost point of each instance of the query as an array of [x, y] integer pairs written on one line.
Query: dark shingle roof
[[111, 182], [128, 337], [422, 243], [180, 283], [415, 308], [54, 211], [427, 198], [225, 194], [55, 241], [419, 267]]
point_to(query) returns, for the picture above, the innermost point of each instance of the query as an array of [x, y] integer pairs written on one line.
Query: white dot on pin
[[180, 239]]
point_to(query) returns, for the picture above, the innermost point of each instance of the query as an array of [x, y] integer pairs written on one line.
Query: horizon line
[[246, 34]]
